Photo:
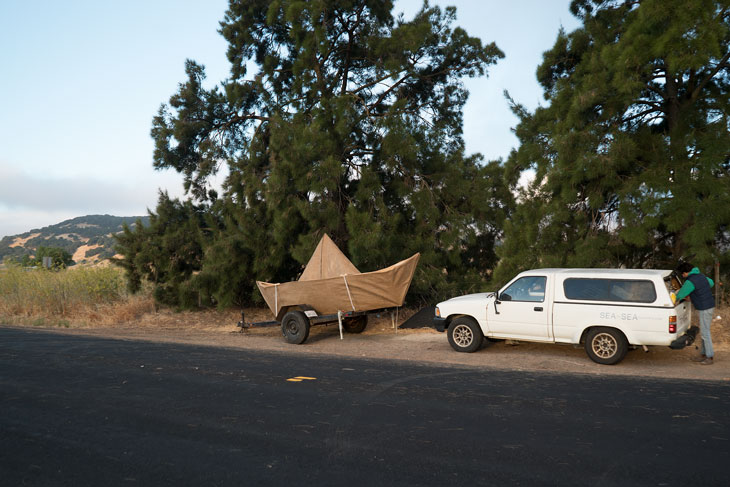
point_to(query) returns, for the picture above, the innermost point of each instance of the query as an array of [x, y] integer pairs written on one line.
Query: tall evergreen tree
[[336, 118], [632, 153], [168, 252]]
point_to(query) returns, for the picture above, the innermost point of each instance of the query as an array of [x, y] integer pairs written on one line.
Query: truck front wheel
[[606, 346], [295, 327], [465, 335]]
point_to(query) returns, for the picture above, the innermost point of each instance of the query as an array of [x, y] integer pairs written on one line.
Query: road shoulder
[[429, 346]]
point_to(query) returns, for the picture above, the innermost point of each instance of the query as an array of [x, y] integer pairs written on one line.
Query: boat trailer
[[296, 322]]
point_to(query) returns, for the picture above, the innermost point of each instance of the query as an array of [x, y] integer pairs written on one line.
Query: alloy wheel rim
[[604, 345], [463, 336]]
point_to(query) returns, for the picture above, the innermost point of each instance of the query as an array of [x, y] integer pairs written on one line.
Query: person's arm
[[712, 283], [685, 290]]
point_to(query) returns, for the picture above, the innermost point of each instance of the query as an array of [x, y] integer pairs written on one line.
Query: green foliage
[[350, 124], [632, 153], [60, 259], [167, 252]]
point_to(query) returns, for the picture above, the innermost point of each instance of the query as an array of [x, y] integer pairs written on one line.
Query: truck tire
[[295, 327], [356, 324], [606, 346], [465, 335]]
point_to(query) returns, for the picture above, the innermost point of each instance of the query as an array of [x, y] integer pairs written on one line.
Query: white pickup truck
[[607, 310]]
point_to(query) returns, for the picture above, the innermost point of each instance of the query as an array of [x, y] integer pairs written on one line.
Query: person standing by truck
[[699, 289]]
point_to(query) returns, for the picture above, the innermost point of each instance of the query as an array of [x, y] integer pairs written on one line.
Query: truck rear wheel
[[295, 327], [606, 346], [356, 324], [465, 335]]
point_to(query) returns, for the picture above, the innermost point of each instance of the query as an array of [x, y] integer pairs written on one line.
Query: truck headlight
[[438, 312]]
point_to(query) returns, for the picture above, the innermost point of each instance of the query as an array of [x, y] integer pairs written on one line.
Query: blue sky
[[82, 79]]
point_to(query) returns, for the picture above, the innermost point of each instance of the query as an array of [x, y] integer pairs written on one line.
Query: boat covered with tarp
[[330, 283]]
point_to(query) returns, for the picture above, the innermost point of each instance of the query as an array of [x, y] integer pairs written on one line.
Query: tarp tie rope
[[339, 320], [348, 292]]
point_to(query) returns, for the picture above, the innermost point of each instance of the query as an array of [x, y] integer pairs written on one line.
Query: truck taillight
[[438, 312], [672, 324]]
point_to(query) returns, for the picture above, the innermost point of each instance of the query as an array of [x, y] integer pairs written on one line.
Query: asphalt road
[[78, 410]]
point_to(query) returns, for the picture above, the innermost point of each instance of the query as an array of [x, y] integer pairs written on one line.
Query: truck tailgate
[[684, 317]]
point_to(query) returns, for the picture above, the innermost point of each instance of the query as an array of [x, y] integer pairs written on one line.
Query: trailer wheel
[[465, 335], [295, 327], [356, 324], [606, 346]]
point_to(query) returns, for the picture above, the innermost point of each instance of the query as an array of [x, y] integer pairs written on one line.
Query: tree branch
[[638, 115], [720, 65], [377, 81], [242, 118], [387, 92]]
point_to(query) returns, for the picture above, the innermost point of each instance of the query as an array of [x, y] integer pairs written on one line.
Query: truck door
[[522, 311]]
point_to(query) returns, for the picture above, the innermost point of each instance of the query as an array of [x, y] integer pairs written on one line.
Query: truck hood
[[477, 297]]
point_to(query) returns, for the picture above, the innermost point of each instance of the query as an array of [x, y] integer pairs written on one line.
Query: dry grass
[[227, 320], [721, 328], [80, 296], [19, 242]]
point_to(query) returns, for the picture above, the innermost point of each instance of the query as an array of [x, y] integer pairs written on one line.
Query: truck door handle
[[538, 308]]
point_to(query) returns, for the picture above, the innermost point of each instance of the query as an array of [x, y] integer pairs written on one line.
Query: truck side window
[[531, 288], [621, 290]]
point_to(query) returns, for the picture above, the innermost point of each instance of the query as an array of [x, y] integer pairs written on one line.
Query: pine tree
[[349, 123], [632, 153], [168, 252]]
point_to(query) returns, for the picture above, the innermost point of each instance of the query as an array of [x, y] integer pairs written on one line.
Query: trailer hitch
[[245, 325]]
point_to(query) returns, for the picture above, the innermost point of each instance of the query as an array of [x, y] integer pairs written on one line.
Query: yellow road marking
[[300, 378]]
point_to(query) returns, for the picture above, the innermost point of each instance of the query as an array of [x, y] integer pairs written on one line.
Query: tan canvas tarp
[[327, 261], [331, 283]]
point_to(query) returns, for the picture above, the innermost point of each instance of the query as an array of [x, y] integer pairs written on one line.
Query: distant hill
[[88, 238]]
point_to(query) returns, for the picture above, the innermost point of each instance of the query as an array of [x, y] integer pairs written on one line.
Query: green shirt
[[688, 287]]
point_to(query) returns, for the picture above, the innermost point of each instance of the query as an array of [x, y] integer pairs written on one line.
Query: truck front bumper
[[439, 323]]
